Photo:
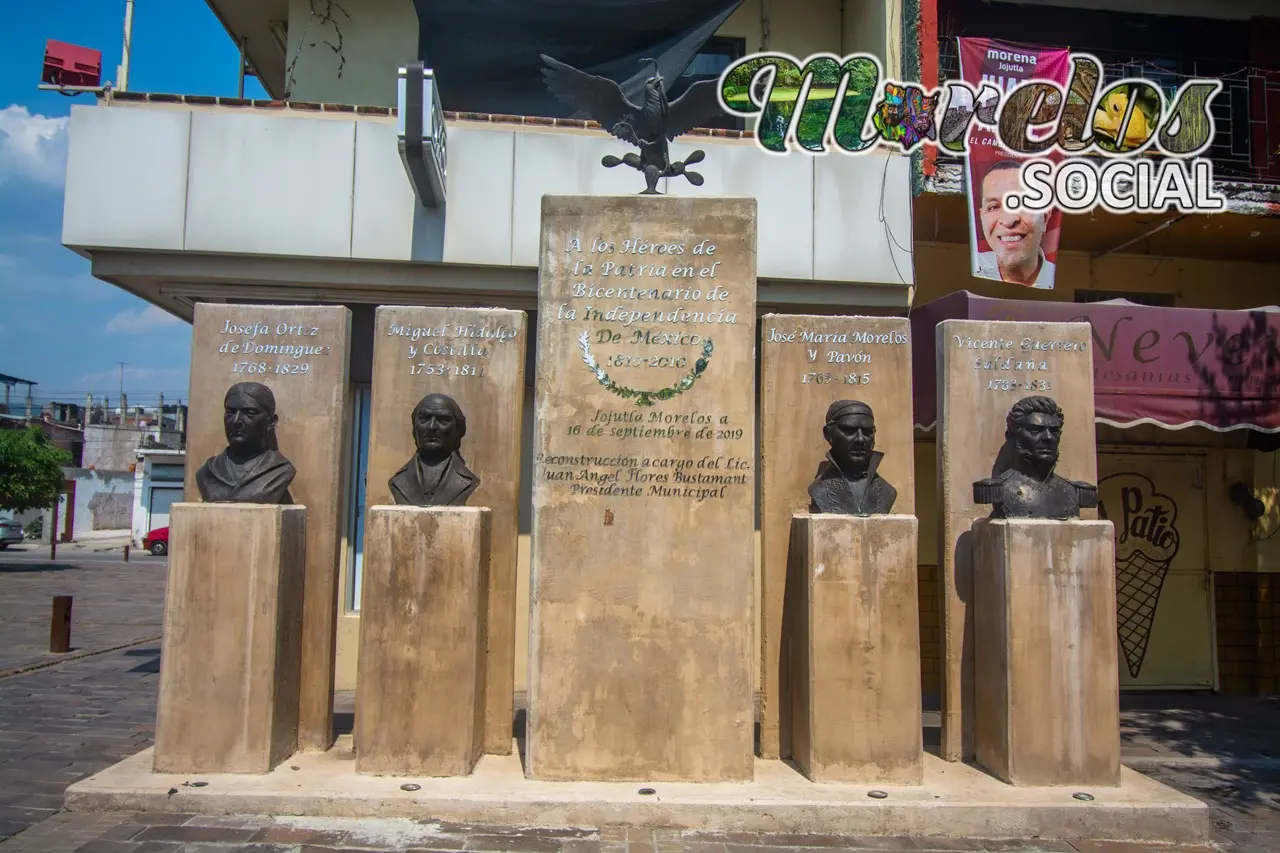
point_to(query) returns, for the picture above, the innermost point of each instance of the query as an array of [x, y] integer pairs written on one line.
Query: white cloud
[[136, 322], [33, 147]]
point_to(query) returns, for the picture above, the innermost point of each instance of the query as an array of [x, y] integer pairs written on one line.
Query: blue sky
[[59, 326]]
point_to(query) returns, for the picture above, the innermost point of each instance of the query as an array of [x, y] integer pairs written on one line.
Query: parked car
[[157, 541], [10, 533]]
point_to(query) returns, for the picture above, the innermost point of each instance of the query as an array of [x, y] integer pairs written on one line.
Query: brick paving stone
[[721, 837], [581, 845], [188, 833], [1027, 845], [513, 844], [689, 846], [161, 818], [295, 835], [1130, 847]]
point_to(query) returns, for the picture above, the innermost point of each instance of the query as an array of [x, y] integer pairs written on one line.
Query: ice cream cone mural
[[1146, 543]]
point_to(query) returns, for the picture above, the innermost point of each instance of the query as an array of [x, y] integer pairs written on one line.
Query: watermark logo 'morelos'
[[1079, 147]]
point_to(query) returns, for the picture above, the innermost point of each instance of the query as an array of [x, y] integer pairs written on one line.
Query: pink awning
[[1175, 367]]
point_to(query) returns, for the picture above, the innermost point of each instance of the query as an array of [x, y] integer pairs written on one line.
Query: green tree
[[30, 469]]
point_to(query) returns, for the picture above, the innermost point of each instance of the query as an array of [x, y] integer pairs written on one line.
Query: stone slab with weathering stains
[[476, 356], [1046, 671], [807, 363], [300, 353], [420, 687], [853, 622], [228, 697], [643, 552], [984, 367]]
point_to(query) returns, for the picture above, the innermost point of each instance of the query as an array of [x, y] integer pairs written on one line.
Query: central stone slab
[[640, 648]]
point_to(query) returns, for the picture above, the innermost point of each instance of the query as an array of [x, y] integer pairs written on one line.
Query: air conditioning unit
[[421, 130], [71, 65]]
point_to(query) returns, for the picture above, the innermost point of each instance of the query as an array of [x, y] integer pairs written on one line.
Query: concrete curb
[[72, 656], [1208, 762]]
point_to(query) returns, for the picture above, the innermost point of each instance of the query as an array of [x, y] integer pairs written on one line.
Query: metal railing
[[1239, 151]]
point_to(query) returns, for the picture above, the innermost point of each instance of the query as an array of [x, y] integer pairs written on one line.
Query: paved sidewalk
[[114, 603]]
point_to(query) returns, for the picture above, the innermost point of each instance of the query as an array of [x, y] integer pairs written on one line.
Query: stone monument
[[1045, 644], [808, 364], [984, 367], [228, 698], [849, 608], [446, 416], [292, 361], [640, 640]]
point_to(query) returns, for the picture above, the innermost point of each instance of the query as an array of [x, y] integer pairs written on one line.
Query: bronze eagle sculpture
[[649, 125]]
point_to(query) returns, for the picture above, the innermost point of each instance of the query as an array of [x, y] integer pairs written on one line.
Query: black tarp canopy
[[485, 53]]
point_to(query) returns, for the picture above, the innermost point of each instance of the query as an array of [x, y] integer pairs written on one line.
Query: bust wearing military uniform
[[1029, 488], [437, 475], [250, 469], [847, 482]]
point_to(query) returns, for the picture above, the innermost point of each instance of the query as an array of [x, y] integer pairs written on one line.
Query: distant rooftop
[[13, 380]]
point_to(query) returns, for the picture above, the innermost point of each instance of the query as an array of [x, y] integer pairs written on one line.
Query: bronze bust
[[847, 482], [437, 474], [1029, 488], [250, 469]]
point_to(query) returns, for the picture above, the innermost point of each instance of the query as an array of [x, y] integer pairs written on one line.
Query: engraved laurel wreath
[[644, 398]]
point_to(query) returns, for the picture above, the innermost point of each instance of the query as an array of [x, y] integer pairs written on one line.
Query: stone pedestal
[[420, 683], [231, 658], [807, 362], [853, 625], [1047, 681], [642, 577], [300, 352]]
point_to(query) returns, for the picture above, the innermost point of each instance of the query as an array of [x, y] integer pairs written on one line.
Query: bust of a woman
[[250, 469]]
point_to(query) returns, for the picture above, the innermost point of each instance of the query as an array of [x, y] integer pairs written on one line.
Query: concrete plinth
[[420, 684], [231, 658], [1047, 677], [956, 800], [854, 639]]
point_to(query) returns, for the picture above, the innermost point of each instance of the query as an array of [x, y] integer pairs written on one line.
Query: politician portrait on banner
[[1017, 246]]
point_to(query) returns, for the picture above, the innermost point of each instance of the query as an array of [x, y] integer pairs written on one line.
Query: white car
[[10, 533]]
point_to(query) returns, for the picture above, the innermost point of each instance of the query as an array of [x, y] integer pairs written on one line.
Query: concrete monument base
[[956, 800], [420, 683], [1046, 672], [852, 621], [232, 652]]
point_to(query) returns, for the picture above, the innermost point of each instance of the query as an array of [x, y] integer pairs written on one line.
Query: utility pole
[[122, 364], [122, 70]]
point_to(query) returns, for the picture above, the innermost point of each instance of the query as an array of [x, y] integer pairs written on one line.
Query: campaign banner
[[1016, 246]]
